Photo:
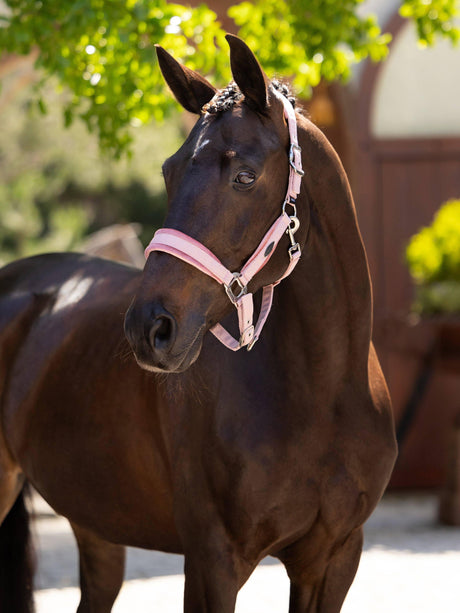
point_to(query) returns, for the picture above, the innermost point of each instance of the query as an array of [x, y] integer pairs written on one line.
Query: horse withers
[[272, 435]]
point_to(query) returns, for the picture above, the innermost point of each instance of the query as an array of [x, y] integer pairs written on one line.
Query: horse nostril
[[162, 332]]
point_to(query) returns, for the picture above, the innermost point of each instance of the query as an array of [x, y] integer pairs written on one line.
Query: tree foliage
[[102, 51], [433, 18], [320, 39]]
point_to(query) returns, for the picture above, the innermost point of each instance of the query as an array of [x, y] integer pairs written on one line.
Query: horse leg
[[322, 588], [16, 551], [210, 587], [11, 483], [214, 572], [102, 567]]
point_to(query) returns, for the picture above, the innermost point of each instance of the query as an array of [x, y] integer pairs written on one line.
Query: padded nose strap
[[189, 250]]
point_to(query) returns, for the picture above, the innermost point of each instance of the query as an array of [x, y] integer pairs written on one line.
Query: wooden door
[[412, 178]]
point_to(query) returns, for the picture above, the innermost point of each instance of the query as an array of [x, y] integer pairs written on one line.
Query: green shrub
[[433, 258]]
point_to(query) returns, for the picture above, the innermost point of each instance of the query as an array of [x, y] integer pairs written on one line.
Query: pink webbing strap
[[245, 310], [227, 339], [192, 252], [265, 249]]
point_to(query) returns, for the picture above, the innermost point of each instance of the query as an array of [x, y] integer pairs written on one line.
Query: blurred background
[[85, 123], [57, 189]]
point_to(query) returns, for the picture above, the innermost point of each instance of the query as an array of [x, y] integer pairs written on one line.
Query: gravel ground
[[410, 564]]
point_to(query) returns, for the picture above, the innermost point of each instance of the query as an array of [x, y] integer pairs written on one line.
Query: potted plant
[[433, 258]]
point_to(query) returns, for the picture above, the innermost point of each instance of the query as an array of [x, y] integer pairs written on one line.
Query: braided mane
[[225, 99]]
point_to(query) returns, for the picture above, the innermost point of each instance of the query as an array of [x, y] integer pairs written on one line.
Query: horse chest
[[258, 466]]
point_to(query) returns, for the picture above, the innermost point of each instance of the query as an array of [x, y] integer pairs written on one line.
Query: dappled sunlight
[[72, 291]]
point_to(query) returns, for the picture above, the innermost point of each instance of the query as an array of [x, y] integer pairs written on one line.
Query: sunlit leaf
[[102, 52]]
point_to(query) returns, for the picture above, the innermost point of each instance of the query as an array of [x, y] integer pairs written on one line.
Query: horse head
[[226, 187]]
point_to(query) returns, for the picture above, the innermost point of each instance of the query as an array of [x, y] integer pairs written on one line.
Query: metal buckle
[[250, 345], [293, 250], [248, 329], [229, 290], [292, 150]]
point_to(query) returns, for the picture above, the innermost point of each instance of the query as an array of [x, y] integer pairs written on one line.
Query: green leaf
[[102, 52]]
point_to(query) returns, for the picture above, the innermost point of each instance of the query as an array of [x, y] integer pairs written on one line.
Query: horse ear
[[190, 89], [248, 74]]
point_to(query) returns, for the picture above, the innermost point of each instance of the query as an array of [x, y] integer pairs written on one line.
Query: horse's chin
[[173, 364], [166, 369]]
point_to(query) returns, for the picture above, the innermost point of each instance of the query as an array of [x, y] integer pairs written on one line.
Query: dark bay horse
[[224, 456]]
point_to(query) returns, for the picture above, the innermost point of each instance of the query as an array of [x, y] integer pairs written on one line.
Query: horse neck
[[325, 306]]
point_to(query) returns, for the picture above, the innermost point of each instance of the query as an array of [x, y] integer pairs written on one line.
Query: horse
[[134, 412]]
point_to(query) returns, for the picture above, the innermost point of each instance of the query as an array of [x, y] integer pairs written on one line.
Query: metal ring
[[294, 212], [229, 291]]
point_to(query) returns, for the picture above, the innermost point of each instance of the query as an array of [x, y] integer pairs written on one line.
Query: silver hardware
[[230, 293], [247, 331], [293, 250], [292, 229], [250, 345], [294, 225], [294, 209], [293, 148]]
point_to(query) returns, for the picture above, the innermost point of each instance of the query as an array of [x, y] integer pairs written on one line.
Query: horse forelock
[[226, 98]]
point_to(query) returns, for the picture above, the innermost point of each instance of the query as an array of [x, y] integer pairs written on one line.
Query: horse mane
[[225, 99]]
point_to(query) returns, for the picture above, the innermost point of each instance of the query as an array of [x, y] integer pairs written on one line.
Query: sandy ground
[[410, 564]]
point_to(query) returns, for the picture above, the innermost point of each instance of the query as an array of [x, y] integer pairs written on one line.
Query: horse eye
[[245, 177]]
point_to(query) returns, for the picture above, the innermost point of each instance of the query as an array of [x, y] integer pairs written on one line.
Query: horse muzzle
[[154, 336]]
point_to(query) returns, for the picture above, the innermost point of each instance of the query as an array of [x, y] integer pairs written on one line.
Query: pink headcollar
[[189, 250]]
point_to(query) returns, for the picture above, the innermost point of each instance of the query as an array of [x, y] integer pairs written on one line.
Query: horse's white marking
[[201, 145]]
